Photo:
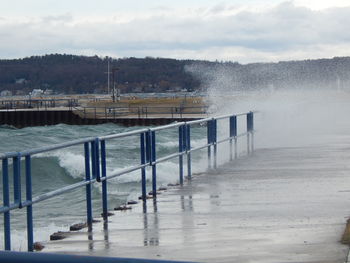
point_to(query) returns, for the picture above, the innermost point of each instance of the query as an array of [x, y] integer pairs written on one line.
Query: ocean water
[[285, 118], [55, 169]]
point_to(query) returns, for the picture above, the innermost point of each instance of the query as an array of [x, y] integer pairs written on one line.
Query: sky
[[244, 31]]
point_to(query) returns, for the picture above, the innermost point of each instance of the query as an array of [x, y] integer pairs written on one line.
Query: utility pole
[[114, 70], [108, 76]]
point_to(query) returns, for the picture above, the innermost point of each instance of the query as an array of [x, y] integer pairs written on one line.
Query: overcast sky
[[233, 30]]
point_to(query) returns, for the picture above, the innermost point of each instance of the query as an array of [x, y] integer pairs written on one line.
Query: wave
[[72, 163]]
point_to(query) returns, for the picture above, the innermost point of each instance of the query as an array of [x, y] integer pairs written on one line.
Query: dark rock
[[132, 202], [147, 197], [151, 193], [122, 208], [77, 227], [108, 214], [38, 246], [58, 235], [96, 221], [162, 188], [177, 184]]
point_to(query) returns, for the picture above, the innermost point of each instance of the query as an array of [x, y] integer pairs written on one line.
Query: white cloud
[[222, 31], [322, 4]]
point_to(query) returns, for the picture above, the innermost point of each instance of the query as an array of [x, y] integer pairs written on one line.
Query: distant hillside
[[81, 74]]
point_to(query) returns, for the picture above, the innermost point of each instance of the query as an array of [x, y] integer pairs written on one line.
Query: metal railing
[[37, 104], [96, 167], [110, 113]]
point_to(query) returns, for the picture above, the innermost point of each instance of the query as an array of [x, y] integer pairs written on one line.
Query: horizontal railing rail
[[94, 149], [38, 104], [112, 112]]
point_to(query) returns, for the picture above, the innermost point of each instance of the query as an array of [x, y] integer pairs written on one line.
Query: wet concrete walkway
[[277, 205]]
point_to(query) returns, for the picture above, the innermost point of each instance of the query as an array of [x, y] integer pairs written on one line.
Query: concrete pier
[[277, 205], [38, 117]]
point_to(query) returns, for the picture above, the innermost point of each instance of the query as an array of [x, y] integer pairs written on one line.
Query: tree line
[[71, 74]]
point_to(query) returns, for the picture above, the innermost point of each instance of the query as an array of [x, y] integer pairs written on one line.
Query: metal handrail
[[110, 112], [95, 165]]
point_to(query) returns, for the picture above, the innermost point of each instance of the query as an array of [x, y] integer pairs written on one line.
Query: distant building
[[5, 93], [36, 92], [20, 81], [20, 92], [48, 92], [137, 89]]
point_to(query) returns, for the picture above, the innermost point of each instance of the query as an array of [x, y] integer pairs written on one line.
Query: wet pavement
[[277, 205]]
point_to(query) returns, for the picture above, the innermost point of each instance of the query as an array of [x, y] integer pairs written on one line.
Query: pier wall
[[26, 118]]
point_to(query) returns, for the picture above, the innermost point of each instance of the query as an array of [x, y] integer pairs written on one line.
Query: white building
[[36, 92], [5, 93]]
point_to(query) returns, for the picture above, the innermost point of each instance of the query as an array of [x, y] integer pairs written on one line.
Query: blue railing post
[[6, 203], [17, 179], [97, 160], [249, 130], [104, 182], [215, 142], [148, 147], [93, 160], [209, 141], [30, 237], [188, 149], [181, 149], [233, 134], [143, 169], [88, 186], [252, 130], [154, 167]]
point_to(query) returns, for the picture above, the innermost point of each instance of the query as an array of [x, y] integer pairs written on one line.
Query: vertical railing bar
[[236, 147], [30, 237], [88, 186], [154, 167], [104, 182], [143, 169], [184, 145], [248, 131], [97, 159], [188, 149], [233, 133], [230, 133], [148, 147], [6, 203], [181, 172], [252, 130], [93, 159], [231, 150], [215, 142], [209, 140], [17, 179]]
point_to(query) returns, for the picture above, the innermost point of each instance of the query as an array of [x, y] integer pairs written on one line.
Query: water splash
[[289, 114]]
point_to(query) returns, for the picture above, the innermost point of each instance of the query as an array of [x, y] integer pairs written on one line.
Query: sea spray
[[286, 115]]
